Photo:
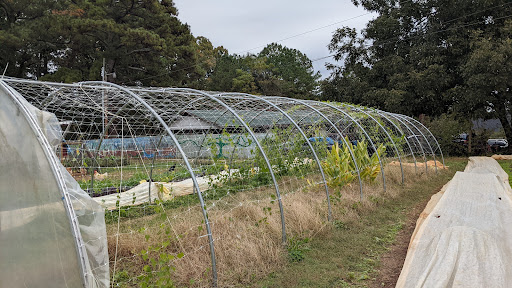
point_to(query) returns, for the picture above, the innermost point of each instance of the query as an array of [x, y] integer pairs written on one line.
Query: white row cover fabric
[[139, 194], [162, 190], [38, 245], [168, 190], [463, 238]]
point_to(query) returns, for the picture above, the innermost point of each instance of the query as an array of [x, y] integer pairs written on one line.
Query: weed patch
[[297, 248]]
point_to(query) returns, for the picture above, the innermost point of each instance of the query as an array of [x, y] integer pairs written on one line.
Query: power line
[[396, 39], [444, 30], [339, 22], [261, 46], [278, 41], [324, 57], [307, 32], [316, 29]]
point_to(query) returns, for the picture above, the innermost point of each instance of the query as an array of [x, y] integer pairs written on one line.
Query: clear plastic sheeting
[[91, 221], [463, 237], [38, 245]]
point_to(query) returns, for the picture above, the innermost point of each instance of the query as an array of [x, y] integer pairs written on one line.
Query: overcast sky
[[240, 25]]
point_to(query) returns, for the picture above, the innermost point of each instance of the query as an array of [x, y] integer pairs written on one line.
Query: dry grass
[[348, 255], [247, 234]]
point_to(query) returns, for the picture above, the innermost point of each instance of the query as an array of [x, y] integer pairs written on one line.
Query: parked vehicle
[[461, 138], [497, 143]]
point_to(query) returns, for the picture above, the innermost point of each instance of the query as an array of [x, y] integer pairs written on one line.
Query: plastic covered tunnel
[[181, 172]]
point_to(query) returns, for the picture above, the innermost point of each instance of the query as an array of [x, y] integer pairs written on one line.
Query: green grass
[[507, 166], [349, 256]]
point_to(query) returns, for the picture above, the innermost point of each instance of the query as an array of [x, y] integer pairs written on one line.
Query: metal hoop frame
[[304, 103], [329, 216], [274, 103], [367, 137], [402, 133], [387, 134]]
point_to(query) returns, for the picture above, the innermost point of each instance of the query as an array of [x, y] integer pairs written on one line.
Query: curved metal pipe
[[432, 135], [414, 136], [249, 124], [389, 136], [242, 122], [339, 133], [189, 167], [403, 134], [54, 163], [367, 136], [329, 216], [424, 137]]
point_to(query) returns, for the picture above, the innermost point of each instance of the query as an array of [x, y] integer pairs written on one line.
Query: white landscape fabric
[[141, 193], [465, 239]]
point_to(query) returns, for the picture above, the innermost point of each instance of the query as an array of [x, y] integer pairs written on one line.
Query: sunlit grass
[[507, 166]]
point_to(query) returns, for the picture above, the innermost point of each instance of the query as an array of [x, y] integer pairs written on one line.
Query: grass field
[[348, 255], [343, 253]]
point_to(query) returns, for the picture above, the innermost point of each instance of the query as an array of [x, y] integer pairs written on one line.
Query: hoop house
[[191, 181], [52, 233]]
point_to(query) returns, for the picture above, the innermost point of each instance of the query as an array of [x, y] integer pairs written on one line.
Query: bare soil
[[391, 262]]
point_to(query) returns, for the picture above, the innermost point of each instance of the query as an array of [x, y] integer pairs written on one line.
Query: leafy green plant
[[158, 269], [338, 166], [297, 248], [122, 278], [340, 225], [369, 166]]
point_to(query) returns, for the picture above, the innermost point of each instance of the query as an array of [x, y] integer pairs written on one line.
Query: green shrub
[[337, 166], [340, 168], [446, 128], [369, 167], [297, 248]]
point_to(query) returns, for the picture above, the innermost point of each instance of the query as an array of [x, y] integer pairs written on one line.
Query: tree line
[[437, 57], [138, 43], [434, 57]]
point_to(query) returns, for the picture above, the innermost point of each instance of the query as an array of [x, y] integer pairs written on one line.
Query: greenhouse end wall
[[39, 247]]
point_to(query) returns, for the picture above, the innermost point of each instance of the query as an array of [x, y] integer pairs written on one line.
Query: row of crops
[[193, 181]]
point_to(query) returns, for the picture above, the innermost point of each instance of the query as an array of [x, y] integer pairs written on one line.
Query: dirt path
[[393, 260]]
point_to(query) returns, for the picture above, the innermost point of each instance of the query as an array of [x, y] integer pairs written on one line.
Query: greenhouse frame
[[113, 154]]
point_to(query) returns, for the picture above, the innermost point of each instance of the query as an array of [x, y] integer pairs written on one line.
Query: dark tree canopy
[[488, 78], [142, 42], [276, 70], [29, 36], [292, 66], [139, 43], [426, 57]]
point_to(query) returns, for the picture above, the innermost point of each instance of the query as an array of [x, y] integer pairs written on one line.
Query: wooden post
[[470, 139]]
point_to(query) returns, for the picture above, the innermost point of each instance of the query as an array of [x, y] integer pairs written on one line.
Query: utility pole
[[103, 101]]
